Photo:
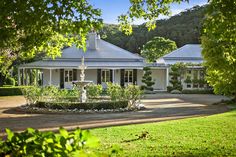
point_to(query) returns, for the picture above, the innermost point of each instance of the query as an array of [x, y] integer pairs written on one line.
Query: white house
[[105, 62]]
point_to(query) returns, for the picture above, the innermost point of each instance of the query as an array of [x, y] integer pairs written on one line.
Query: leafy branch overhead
[[149, 10], [29, 27]]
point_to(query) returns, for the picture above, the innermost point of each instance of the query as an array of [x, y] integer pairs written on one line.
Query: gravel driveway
[[160, 107]]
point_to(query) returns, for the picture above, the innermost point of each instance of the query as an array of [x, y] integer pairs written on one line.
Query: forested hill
[[183, 28]]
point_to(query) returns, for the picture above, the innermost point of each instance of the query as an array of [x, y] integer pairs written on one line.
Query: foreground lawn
[[206, 136]]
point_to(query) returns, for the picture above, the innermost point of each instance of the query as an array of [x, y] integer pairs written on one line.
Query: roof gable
[[187, 51]]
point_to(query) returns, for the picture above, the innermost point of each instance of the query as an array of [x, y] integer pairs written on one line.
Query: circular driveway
[[159, 107]]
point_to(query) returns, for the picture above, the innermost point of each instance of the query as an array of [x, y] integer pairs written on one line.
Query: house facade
[[105, 63]]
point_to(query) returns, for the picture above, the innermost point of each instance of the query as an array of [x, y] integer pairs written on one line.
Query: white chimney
[[92, 41]]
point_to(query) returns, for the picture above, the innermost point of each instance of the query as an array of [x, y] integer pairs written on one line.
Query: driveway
[[160, 107]]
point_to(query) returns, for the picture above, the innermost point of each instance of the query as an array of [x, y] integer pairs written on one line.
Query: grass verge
[[205, 136]]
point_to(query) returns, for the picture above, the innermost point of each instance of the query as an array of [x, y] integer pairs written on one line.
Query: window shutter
[[135, 76], [122, 74], [111, 75], [61, 78], [74, 74], [99, 81]]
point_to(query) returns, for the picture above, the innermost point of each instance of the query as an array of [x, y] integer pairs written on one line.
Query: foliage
[[147, 79], [202, 136], [183, 28], [133, 93], [219, 46], [176, 72], [35, 143], [50, 93], [86, 106], [156, 48], [188, 80], [94, 90], [10, 81], [12, 90], [147, 10], [115, 91]]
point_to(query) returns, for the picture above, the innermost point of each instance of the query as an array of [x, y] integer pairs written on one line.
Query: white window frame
[[107, 75], [68, 75], [128, 76]]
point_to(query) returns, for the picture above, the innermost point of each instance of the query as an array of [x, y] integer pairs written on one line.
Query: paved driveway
[[160, 107]]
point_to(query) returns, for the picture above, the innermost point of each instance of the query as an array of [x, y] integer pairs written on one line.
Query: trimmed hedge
[[13, 90], [197, 91], [85, 106]]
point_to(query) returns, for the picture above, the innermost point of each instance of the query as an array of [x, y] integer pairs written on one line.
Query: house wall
[[139, 77], [117, 76], [90, 74], [159, 77], [55, 77]]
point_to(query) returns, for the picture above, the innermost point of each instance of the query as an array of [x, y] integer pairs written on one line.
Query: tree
[[176, 72], [32, 27], [219, 46], [147, 79], [156, 48]]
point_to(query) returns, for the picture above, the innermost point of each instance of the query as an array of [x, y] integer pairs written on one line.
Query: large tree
[[156, 48], [219, 46]]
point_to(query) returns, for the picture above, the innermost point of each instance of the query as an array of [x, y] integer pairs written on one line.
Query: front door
[[68, 77]]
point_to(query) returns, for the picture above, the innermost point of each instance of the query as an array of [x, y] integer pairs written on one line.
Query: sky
[[111, 9]]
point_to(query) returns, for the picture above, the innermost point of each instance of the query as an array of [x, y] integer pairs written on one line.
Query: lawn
[[205, 136]]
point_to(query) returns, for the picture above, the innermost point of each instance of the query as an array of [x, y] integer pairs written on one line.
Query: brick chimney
[[92, 41]]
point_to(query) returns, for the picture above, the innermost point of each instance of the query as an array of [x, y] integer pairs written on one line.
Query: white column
[[167, 77], [50, 79], [19, 77], [23, 76], [113, 76]]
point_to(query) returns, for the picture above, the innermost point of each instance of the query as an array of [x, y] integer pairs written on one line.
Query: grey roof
[[104, 50], [106, 55], [190, 53], [187, 51]]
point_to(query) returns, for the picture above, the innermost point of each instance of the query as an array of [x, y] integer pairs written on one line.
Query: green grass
[[205, 136]]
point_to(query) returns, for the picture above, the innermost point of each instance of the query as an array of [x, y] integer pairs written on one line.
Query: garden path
[[160, 107]]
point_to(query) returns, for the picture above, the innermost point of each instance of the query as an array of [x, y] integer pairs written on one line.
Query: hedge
[[197, 91], [85, 106], [13, 90]]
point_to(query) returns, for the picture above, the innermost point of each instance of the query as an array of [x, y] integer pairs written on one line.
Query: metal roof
[[187, 51], [190, 53], [104, 50], [106, 55]]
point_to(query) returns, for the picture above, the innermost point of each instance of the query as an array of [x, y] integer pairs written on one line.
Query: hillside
[[183, 28]]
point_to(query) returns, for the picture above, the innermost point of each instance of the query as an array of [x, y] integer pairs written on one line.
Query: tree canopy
[[219, 46], [156, 48], [183, 28]]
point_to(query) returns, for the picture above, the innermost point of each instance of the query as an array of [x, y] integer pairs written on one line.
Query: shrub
[[197, 91], [14, 90], [94, 90], [32, 94], [132, 93], [115, 91], [147, 79], [85, 106], [35, 143]]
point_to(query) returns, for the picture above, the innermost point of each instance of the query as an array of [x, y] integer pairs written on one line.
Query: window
[[128, 76], [105, 76], [68, 75], [189, 85]]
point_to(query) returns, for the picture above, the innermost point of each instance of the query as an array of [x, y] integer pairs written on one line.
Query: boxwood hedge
[[85, 106], [12, 90]]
